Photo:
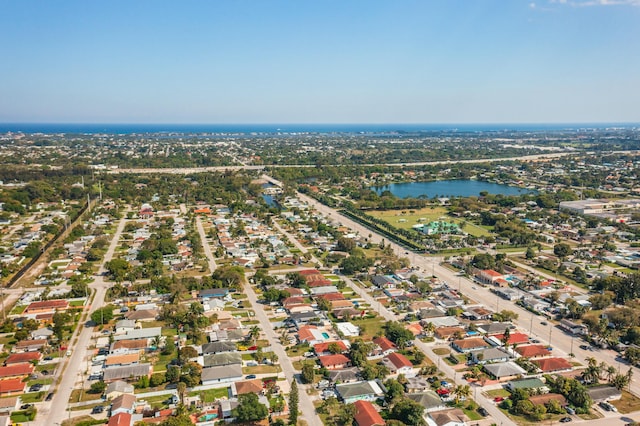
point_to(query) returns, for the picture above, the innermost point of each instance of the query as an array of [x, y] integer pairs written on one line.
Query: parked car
[[570, 410], [47, 358], [483, 412], [97, 409], [498, 399], [544, 323], [49, 397], [607, 406], [35, 388], [251, 376], [25, 406], [584, 347], [565, 419]]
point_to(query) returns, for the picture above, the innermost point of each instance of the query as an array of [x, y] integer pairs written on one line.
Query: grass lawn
[[441, 351], [163, 360], [40, 381], [85, 420], [592, 415], [498, 392], [405, 219], [628, 403], [260, 369], [472, 414], [369, 327], [158, 400], [86, 407], [31, 397], [77, 303], [19, 417], [211, 395], [18, 309], [86, 396]]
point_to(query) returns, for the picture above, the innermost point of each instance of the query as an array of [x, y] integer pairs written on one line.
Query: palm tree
[[182, 390], [611, 372], [254, 332], [429, 328], [155, 342], [461, 392]]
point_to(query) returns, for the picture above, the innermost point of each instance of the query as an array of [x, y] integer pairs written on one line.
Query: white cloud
[[532, 5]]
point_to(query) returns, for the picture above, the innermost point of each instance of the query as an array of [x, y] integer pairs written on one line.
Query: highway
[[191, 170]]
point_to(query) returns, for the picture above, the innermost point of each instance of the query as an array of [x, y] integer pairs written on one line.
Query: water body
[[449, 188], [131, 128]]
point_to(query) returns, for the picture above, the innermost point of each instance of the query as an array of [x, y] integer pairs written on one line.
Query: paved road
[[305, 403], [190, 170], [562, 342], [55, 411], [295, 241], [206, 247]]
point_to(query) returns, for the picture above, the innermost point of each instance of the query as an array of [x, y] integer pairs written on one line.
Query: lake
[[449, 188]]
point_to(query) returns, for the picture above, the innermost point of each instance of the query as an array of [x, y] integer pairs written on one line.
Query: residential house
[[222, 358], [218, 347], [12, 387], [446, 333], [573, 327], [545, 398], [488, 276], [489, 355], [122, 347], [365, 391], [417, 384], [604, 393], [430, 400], [471, 344], [398, 363], [15, 371], [366, 414], [221, 374], [124, 326], [552, 365], [41, 334], [450, 417], [386, 346], [529, 384], [30, 345], [323, 348], [117, 388], [247, 386], [123, 404], [334, 362], [21, 357], [347, 375], [532, 351], [119, 360], [46, 306], [8, 405], [120, 419], [504, 370], [128, 372], [147, 334]]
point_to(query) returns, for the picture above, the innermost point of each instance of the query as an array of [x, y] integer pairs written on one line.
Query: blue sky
[[320, 61]]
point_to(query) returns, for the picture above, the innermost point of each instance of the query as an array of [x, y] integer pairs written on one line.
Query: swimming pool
[[325, 335], [208, 417]]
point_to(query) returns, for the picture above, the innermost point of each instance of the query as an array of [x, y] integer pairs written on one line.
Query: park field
[[405, 219]]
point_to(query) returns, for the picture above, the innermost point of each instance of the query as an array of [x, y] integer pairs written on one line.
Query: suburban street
[[558, 339], [305, 403], [71, 368]]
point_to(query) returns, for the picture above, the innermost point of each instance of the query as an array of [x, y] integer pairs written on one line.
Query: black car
[[97, 409], [49, 397], [584, 347], [47, 358], [35, 388], [483, 412], [25, 406], [565, 419]]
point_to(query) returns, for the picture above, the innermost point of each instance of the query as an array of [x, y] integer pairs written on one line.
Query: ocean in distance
[[98, 128]]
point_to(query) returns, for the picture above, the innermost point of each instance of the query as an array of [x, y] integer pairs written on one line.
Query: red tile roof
[[366, 414], [492, 273], [324, 347], [12, 386], [120, 419], [23, 357], [331, 360], [305, 333], [13, 370], [552, 364], [331, 296], [384, 343], [517, 338], [307, 272], [48, 304], [532, 351], [399, 360]]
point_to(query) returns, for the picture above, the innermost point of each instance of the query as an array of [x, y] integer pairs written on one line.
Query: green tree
[[250, 409], [97, 387], [308, 373], [293, 404], [562, 250], [60, 320], [103, 315], [409, 412]]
